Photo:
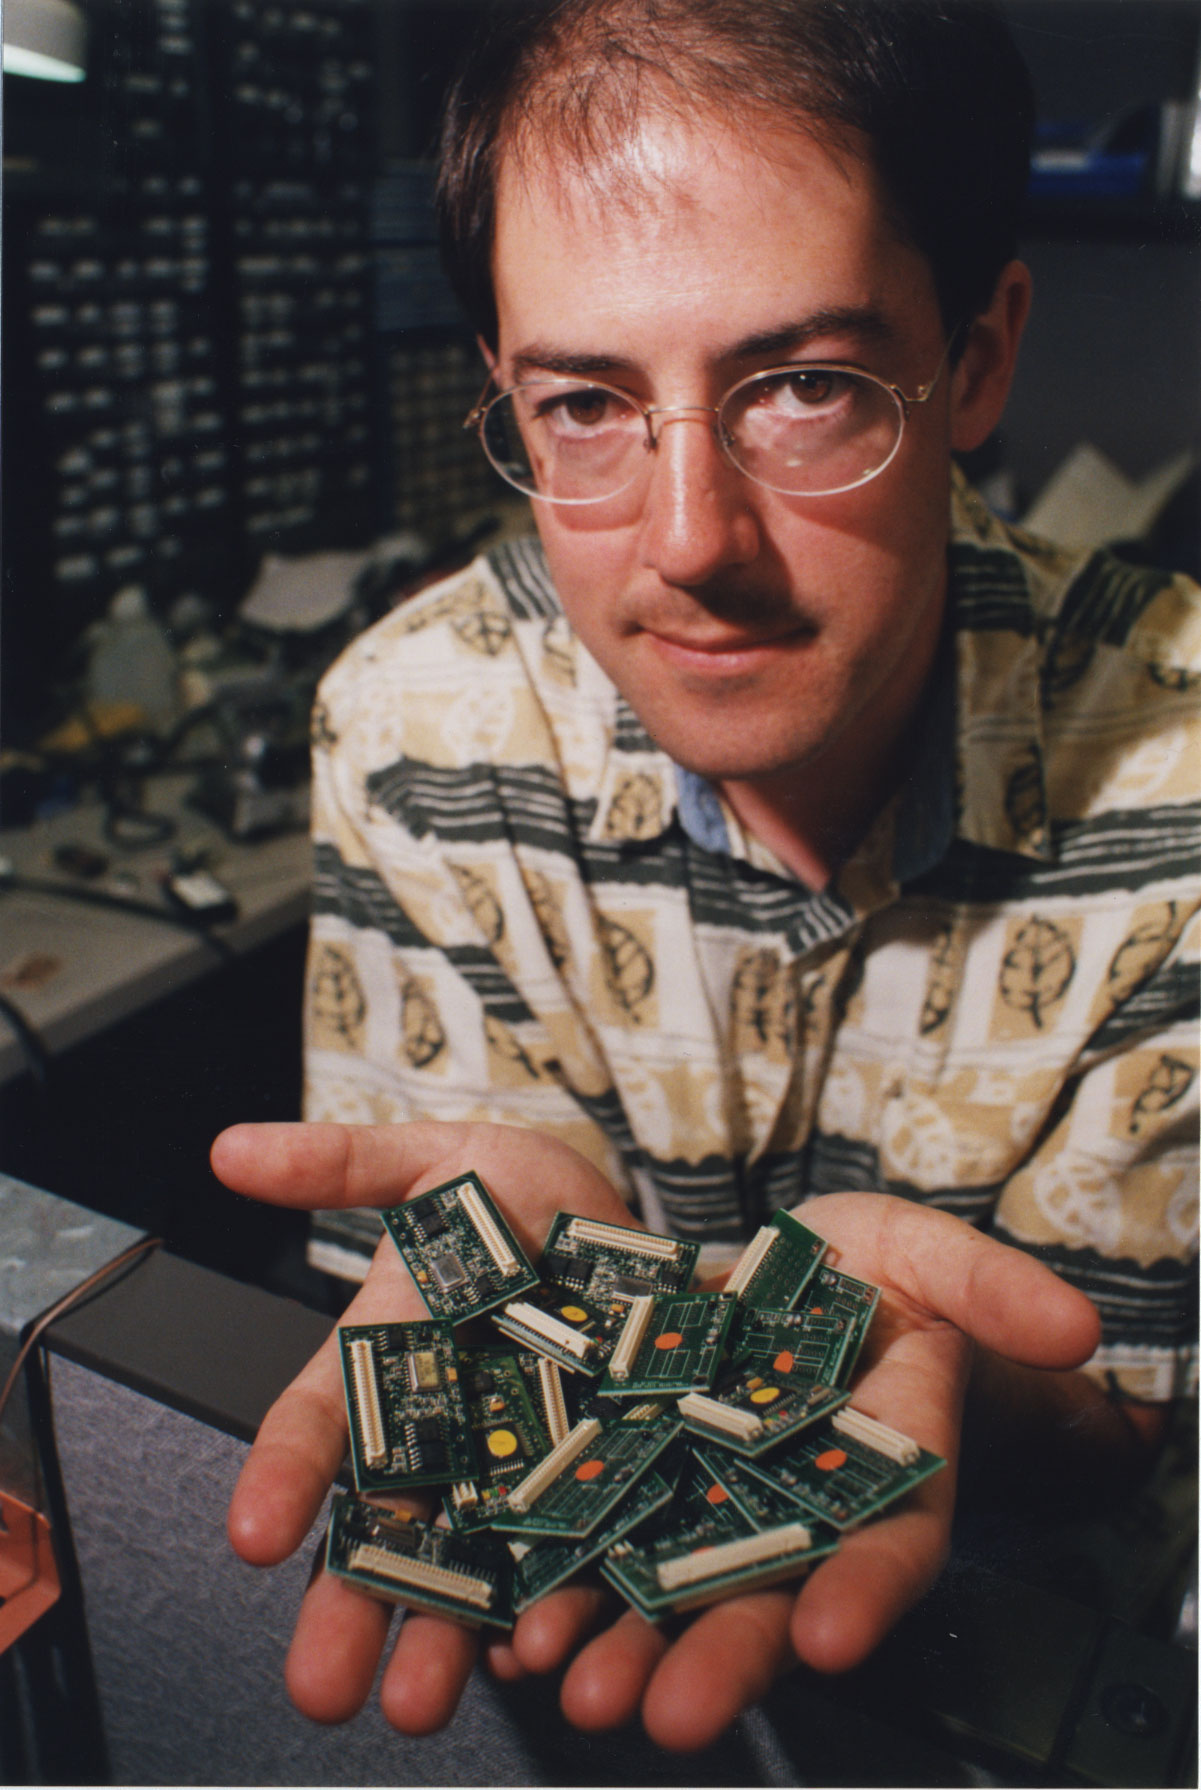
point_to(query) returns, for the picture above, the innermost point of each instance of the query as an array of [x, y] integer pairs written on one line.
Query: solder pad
[[508, 1433], [408, 1417], [581, 1482], [669, 1345], [832, 1472], [465, 1577], [777, 1264], [459, 1250]]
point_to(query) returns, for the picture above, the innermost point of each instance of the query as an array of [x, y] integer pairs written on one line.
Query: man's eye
[[583, 409], [816, 387]]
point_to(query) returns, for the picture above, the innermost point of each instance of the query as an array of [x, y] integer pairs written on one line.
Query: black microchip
[[630, 1285], [431, 1220], [557, 1265], [431, 1457], [481, 1381], [427, 1429]]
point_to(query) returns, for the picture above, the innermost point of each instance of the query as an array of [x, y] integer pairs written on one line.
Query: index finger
[[302, 1440]]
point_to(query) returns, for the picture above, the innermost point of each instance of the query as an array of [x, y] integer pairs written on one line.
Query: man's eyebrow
[[539, 359], [864, 322]]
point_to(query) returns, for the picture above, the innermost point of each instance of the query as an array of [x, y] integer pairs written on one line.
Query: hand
[[943, 1285]]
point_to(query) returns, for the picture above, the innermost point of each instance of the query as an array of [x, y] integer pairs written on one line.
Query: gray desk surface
[[74, 969]]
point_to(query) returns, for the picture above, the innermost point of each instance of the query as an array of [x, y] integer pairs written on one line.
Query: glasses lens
[[811, 430], [566, 442]]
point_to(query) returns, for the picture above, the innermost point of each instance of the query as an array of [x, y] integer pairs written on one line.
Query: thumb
[[942, 1268]]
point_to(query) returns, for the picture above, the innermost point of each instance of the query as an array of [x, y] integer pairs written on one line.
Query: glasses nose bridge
[[673, 413]]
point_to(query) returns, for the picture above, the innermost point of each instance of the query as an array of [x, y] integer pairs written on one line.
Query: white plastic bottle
[[132, 661]]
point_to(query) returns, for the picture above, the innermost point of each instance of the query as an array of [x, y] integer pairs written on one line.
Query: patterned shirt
[[525, 913]]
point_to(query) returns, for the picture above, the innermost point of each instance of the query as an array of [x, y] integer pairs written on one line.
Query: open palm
[[943, 1286]]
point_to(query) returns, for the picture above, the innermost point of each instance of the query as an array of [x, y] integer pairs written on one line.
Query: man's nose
[[699, 518]]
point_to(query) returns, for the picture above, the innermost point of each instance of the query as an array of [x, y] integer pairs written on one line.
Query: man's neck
[[813, 819]]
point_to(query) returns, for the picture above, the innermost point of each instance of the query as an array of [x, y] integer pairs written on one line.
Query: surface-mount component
[[467, 1577], [507, 1430], [459, 1250], [404, 1400]]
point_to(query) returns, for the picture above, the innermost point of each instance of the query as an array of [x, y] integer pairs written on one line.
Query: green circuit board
[[507, 1431], [459, 1250], [849, 1469], [609, 1262], [545, 1562], [703, 1548], [671, 1344], [831, 1294], [751, 1411], [591, 1273], [404, 1400], [798, 1345], [777, 1264], [763, 1503], [469, 1578], [578, 1485]]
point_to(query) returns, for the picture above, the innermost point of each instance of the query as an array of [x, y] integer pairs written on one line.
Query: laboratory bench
[[130, 1036]]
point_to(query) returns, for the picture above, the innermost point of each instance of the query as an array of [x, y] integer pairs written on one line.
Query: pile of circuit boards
[[701, 1443]]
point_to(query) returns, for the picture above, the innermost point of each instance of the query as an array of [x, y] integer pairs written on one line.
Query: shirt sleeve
[[1108, 1198], [414, 1005]]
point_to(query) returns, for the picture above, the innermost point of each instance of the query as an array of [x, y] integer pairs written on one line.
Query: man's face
[[753, 633]]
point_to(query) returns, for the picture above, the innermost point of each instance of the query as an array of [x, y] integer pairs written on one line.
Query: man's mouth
[[726, 649]]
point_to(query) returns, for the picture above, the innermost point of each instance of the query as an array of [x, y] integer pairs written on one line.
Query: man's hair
[[937, 88]]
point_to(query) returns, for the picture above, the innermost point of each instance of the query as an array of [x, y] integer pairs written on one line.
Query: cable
[[145, 910], [94, 1282]]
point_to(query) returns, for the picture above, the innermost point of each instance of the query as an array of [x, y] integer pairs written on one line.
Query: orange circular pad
[[832, 1458], [590, 1470], [670, 1339]]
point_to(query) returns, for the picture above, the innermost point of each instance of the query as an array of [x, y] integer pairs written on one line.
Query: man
[[756, 840]]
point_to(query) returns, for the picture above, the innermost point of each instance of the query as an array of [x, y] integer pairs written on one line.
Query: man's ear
[[489, 354], [985, 369]]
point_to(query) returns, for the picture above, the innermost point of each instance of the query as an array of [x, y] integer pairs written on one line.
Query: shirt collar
[[977, 770]]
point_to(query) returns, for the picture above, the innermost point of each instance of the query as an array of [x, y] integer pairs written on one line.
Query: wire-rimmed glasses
[[809, 430]]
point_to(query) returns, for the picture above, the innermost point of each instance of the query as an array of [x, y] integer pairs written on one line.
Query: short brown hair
[[937, 88]]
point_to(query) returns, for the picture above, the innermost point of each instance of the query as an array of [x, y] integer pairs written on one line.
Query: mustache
[[741, 608]]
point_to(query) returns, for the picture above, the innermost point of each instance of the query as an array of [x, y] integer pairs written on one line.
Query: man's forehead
[[648, 163]]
